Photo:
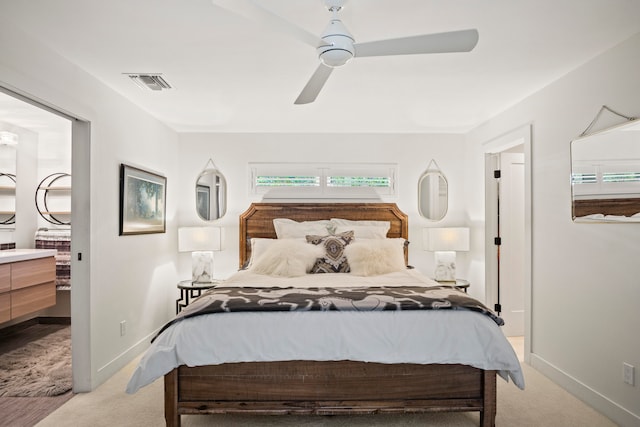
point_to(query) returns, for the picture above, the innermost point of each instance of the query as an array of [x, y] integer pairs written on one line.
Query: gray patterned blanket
[[235, 299]]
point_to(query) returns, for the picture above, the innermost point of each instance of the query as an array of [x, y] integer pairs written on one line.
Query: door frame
[[519, 136], [80, 238]]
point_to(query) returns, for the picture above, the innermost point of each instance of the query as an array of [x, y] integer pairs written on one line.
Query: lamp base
[[202, 266], [445, 266]]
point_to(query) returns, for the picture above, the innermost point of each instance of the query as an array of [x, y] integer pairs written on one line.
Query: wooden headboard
[[257, 221], [621, 206]]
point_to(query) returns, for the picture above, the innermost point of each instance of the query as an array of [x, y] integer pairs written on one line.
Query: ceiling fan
[[336, 46]]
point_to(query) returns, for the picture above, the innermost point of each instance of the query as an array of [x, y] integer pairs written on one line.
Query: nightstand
[[461, 284], [190, 290]]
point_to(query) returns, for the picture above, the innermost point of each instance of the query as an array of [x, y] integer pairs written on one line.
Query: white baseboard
[[120, 361], [591, 397]]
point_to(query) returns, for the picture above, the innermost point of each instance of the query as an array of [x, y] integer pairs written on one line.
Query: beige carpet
[[541, 404], [39, 368]]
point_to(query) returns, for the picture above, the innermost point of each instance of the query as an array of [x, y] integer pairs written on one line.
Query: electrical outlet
[[628, 372], [123, 328]]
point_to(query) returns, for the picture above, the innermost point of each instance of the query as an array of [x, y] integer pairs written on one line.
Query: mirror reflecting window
[[433, 193], [605, 175], [211, 193]]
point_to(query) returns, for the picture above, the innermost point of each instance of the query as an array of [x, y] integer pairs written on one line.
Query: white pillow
[[341, 221], [287, 258], [362, 229], [374, 257], [399, 241], [259, 246], [290, 229]]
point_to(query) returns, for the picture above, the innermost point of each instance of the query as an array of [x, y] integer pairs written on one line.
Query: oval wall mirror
[[433, 193], [211, 193]]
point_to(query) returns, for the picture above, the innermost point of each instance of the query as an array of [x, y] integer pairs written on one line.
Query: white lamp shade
[[199, 239], [445, 239]]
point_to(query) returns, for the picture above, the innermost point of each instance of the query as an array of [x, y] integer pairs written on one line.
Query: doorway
[[508, 231], [78, 146], [509, 253]]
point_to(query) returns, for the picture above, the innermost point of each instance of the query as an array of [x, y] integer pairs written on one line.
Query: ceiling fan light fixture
[[339, 44], [333, 57]]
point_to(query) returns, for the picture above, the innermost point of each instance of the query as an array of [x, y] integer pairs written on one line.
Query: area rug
[[40, 368]]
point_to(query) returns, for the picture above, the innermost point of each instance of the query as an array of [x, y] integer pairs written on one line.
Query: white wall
[[130, 278], [232, 152], [585, 287]]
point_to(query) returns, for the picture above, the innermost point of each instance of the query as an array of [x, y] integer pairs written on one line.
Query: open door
[[509, 241]]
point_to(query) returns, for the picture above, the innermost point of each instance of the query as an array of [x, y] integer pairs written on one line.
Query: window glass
[[313, 180]]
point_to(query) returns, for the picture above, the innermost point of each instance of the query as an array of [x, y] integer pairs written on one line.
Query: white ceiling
[[230, 75]]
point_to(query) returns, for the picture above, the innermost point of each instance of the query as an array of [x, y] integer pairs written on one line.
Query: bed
[[328, 362]]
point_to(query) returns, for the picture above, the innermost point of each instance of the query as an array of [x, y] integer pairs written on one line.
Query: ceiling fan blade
[[257, 13], [453, 41], [314, 85]]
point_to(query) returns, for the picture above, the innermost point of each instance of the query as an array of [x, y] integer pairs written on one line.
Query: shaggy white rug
[[40, 368]]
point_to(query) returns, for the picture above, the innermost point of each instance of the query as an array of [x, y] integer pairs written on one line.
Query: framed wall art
[[142, 201]]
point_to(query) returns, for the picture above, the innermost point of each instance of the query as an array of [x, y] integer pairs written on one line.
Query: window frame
[[323, 172]]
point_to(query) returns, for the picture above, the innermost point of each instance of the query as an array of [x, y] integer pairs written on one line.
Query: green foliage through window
[[621, 177], [583, 178], [323, 180], [358, 181], [288, 181]]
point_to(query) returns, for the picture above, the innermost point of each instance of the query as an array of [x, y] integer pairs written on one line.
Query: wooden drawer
[[5, 277], [5, 307], [34, 298], [32, 272]]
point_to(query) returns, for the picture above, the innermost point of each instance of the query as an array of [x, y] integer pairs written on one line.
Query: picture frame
[[142, 201]]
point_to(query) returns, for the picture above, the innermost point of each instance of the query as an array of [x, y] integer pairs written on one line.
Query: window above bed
[[323, 180], [605, 179]]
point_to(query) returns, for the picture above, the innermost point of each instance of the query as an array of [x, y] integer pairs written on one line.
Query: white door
[[512, 233]]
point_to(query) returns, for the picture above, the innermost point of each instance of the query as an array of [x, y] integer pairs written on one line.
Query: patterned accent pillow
[[334, 259]]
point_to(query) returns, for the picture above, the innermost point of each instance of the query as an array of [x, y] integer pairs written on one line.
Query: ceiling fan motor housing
[[339, 44]]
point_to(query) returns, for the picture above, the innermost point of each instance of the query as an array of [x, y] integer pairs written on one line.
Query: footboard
[[328, 388]]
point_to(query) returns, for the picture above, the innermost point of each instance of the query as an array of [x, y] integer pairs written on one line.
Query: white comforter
[[424, 336]]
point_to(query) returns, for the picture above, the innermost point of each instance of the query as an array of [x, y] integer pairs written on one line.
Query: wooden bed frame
[[326, 388]]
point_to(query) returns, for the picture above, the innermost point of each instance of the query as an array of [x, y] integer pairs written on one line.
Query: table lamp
[[201, 242], [445, 242]]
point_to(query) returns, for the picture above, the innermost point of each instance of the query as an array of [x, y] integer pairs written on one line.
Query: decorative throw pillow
[[287, 258], [260, 245], [333, 260], [372, 257]]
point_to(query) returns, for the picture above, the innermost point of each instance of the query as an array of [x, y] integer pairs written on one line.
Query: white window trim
[[323, 170]]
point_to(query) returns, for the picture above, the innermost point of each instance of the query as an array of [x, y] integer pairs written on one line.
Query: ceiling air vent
[[149, 81]]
